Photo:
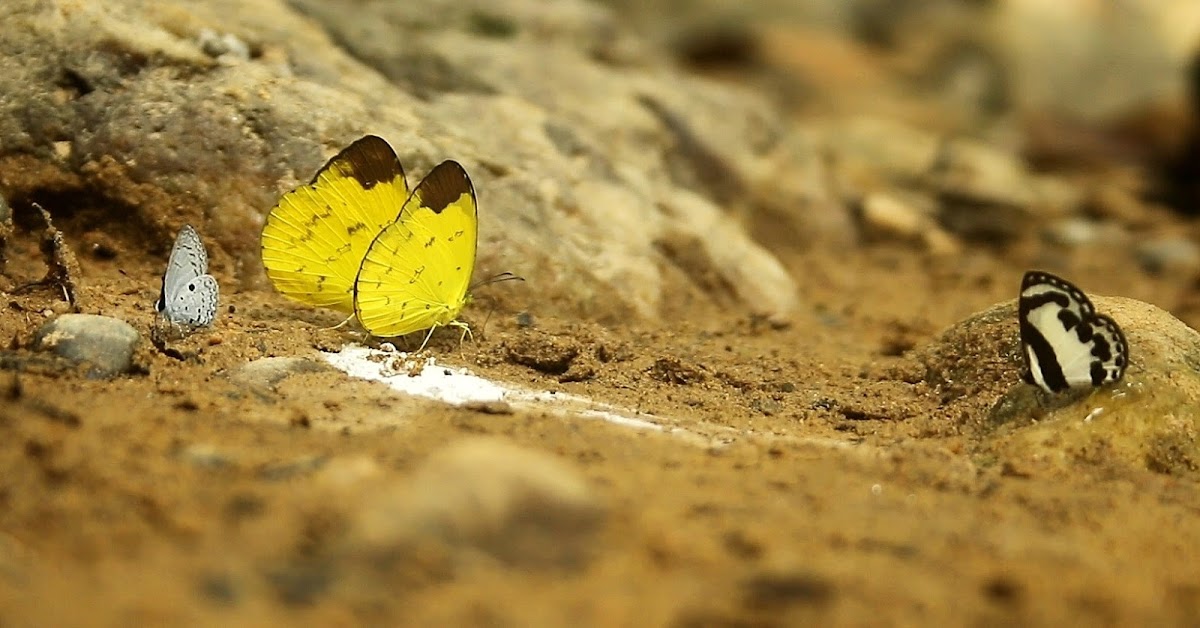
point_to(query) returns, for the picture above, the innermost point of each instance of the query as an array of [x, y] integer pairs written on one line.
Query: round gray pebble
[[105, 343]]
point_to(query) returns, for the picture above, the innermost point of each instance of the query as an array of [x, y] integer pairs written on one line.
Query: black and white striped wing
[[1065, 342]]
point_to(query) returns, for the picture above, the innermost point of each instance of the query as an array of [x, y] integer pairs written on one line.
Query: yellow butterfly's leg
[[466, 331], [427, 337], [348, 319]]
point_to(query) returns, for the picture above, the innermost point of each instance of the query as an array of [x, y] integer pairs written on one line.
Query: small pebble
[[226, 47], [891, 216], [105, 343]]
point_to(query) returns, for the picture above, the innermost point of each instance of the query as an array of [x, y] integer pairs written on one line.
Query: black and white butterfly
[[189, 294], [1065, 342]]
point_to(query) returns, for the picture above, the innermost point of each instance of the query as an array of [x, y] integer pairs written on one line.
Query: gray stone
[[105, 344]]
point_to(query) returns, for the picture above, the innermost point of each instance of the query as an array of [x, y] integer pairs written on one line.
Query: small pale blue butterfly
[[189, 294]]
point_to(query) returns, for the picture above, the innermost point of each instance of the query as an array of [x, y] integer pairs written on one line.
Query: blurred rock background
[[639, 158]]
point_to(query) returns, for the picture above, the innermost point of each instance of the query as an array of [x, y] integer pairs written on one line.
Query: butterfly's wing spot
[[1068, 319], [314, 221], [1099, 373], [1101, 349]]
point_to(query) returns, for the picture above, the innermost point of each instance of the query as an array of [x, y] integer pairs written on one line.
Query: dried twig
[[63, 266]]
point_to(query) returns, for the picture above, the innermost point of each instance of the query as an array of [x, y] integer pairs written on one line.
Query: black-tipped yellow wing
[[416, 273], [315, 238]]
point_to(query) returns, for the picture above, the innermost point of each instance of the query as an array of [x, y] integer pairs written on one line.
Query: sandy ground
[[816, 477]]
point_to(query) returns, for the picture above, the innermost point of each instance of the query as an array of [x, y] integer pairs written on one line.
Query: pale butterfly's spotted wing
[[189, 294], [1066, 344]]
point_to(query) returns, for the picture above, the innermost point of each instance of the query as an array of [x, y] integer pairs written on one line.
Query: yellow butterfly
[[355, 240], [316, 237], [417, 271]]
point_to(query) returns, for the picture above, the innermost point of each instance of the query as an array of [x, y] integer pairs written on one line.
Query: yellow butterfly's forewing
[[316, 237], [416, 273]]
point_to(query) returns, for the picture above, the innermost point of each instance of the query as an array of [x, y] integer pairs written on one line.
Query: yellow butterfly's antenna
[[498, 278]]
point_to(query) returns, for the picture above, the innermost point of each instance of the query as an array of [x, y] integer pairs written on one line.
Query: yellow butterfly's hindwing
[[416, 273], [315, 238]]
